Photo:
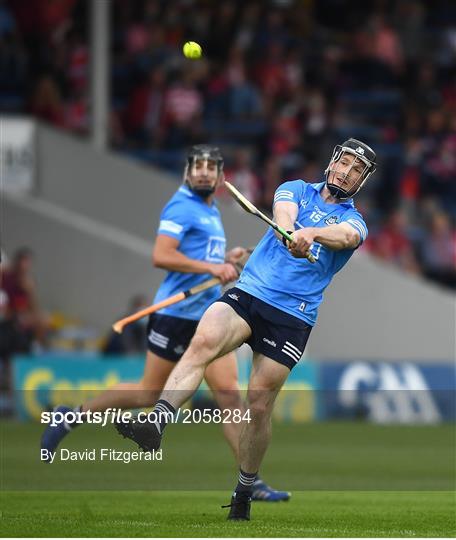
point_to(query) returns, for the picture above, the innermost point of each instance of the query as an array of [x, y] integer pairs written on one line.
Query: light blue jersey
[[199, 229], [293, 285]]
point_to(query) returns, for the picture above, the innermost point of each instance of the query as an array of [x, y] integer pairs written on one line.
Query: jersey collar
[[187, 191], [318, 187]]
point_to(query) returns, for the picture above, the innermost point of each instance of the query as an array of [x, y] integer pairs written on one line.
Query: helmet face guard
[[204, 154], [363, 155]]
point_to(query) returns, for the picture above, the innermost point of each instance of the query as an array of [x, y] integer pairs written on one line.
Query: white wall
[[117, 190], [88, 274]]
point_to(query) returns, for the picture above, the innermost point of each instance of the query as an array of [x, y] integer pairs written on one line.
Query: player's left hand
[[302, 240], [236, 254]]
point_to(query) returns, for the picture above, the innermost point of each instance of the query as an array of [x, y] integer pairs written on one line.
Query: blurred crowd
[[23, 325], [280, 82]]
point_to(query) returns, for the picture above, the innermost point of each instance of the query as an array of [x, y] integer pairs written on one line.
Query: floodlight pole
[[99, 64]]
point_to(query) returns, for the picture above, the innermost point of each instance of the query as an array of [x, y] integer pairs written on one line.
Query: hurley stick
[[252, 209], [118, 326]]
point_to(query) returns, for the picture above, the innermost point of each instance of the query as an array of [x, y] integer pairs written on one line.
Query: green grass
[[168, 514], [348, 479]]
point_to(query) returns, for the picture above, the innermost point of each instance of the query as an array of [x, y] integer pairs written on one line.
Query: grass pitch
[[178, 514], [347, 479]]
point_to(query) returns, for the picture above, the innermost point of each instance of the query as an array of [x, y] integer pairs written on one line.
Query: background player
[[275, 303], [190, 245]]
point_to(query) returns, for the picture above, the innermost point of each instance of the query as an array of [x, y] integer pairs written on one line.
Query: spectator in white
[[182, 109], [183, 102]]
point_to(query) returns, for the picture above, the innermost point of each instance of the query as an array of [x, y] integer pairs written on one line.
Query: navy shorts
[[275, 333], [169, 337]]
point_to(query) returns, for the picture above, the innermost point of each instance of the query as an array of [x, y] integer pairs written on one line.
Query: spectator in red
[[76, 112], [42, 17], [144, 114], [12, 340], [19, 286], [285, 142], [392, 244], [78, 63], [271, 76], [174, 23], [409, 183], [285, 134]]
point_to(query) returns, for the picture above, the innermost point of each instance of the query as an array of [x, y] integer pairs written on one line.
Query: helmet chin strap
[[337, 192]]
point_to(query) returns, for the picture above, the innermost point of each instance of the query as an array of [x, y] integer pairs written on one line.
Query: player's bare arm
[[167, 256], [285, 214], [335, 237]]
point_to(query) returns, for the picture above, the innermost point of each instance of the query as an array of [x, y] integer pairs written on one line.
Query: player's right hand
[[226, 272], [302, 241]]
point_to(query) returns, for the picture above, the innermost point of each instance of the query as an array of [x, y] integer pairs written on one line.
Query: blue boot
[[263, 492], [53, 435]]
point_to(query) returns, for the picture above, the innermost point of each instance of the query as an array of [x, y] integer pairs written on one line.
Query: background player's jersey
[[201, 236], [293, 285]]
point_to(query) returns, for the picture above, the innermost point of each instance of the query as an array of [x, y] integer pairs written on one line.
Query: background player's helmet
[[203, 152], [365, 155]]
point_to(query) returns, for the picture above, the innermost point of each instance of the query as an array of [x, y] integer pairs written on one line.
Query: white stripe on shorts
[[292, 351], [158, 339], [296, 360], [293, 347]]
